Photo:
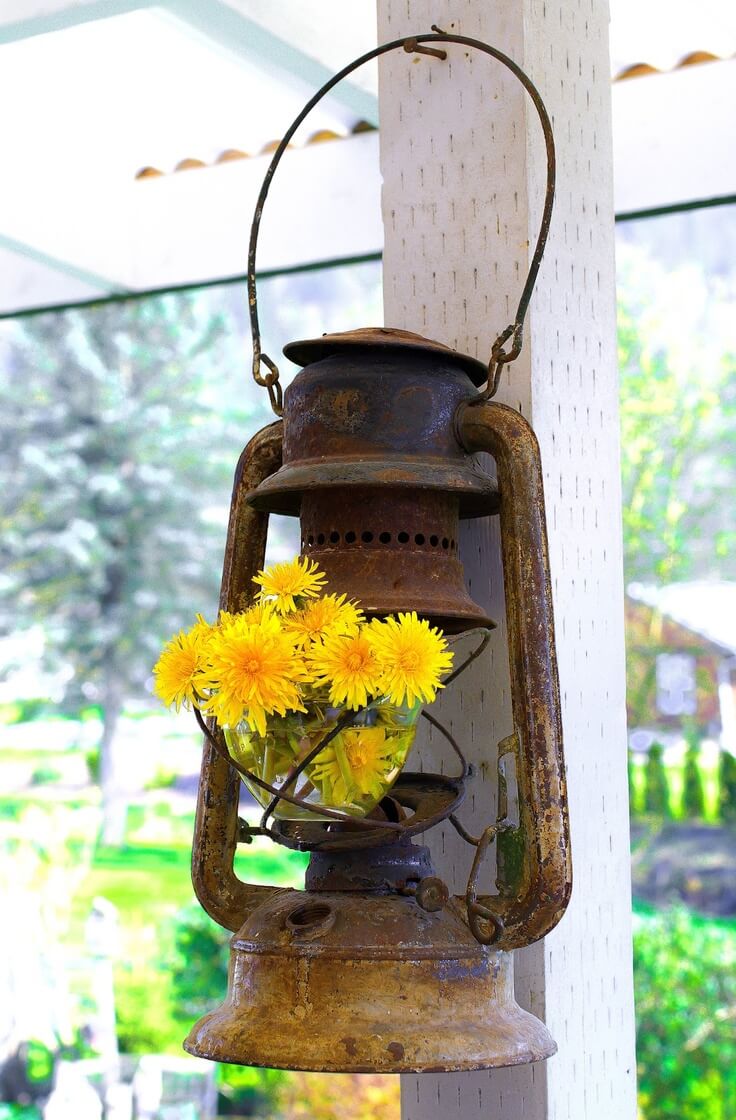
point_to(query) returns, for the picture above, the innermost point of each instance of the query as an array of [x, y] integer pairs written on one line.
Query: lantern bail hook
[[411, 44]]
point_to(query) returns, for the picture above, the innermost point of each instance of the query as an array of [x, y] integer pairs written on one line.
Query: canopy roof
[[102, 89]]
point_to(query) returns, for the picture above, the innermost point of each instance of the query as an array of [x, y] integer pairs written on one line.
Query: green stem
[[268, 761], [345, 771]]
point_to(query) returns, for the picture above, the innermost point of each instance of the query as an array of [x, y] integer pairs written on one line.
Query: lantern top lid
[[306, 351]]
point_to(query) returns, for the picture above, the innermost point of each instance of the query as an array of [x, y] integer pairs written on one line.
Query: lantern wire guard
[[429, 809], [514, 331]]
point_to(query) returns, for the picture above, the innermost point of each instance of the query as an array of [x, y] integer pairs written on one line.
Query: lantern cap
[[306, 351]]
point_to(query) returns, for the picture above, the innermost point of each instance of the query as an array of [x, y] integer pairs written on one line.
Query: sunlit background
[[131, 154]]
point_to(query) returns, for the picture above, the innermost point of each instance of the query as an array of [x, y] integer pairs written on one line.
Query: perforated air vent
[[375, 538]]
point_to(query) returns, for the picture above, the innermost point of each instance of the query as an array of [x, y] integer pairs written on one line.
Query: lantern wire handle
[[514, 332]]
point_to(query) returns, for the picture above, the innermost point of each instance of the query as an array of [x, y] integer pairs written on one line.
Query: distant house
[[681, 658]]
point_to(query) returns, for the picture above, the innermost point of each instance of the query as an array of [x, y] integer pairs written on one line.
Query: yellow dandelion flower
[[358, 764], [412, 657], [325, 616], [299, 578], [262, 615], [346, 664], [256, 613], [177, 671], [254, 670], [201, 628]]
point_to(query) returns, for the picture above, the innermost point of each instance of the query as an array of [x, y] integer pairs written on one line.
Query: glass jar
[[352, 773]]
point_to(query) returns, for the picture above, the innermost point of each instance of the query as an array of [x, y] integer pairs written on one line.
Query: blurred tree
[[656, 788], [693, 797], [678, 438], [727, 787], [115, 450]]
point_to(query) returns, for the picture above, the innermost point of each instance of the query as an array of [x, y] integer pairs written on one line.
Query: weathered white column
[[463, 167]]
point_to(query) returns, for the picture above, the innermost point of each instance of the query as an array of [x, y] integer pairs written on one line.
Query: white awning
[[92, 97]]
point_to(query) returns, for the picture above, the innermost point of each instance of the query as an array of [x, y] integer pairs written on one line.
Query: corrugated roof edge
[[635, 70]]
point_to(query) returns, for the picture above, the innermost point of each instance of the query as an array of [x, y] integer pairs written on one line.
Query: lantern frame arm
[[533, 860], [513, 333], [225, 897]]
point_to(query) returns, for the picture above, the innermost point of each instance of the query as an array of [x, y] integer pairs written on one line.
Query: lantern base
[[359, 982]]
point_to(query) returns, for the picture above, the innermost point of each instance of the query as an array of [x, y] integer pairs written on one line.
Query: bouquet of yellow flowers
[[278, 677]]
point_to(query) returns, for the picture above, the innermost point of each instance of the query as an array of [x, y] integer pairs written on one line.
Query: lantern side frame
[[534, 858], [226, 898]]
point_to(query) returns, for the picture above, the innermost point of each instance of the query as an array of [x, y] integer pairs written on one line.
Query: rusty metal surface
[[377, 417], [353, 982], [308, 350], [430, 798], [225, 897], [390, 868], [534, 864], [392, 552]]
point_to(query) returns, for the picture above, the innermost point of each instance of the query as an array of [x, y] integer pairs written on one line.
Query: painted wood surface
[[463, 177]]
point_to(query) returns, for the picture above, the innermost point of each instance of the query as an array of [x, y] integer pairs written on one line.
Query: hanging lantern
[[374, 966]]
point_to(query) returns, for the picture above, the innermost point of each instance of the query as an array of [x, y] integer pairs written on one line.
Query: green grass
[[145, 882], [150, 885], [644, 910]]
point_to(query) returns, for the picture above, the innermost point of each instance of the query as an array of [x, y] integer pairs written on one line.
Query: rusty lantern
[[374, 966]]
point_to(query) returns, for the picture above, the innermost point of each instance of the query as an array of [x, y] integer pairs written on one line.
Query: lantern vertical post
[[463, 169]]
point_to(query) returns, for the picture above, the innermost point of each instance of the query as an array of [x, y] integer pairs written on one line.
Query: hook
[[411, 46]]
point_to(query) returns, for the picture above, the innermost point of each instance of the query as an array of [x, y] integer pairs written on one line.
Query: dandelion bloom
[[254, 670], [325, 617], [178, 668], [356, 766], [412, 655], [256, 613], [299, 578], [347, 665]]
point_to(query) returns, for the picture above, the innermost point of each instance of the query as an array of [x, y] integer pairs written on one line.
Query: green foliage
[[45, 775], [685, 980], [246, 1091], [678, 457], [162, 779], [199, 963], [92, 758], [145, 1020], [102, 539], [656, 788], [23, 711], [727, 787], [635, 807], [693, 796]]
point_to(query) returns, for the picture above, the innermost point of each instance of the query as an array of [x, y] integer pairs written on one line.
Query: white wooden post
[[463, 168]]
